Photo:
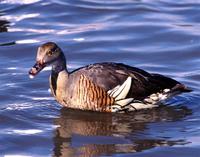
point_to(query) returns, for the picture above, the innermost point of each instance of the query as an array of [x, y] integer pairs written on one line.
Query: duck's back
[[109, 75]]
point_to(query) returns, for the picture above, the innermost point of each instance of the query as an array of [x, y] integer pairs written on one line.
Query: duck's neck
[[59, 77], [59, 65]]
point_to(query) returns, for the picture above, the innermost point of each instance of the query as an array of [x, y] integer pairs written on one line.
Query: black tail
[[181, 88], [167, 83]]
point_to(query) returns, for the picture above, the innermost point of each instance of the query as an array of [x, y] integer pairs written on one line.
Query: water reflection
[[92, 134]]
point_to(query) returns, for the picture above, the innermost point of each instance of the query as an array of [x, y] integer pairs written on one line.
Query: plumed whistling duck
[[103, 87]]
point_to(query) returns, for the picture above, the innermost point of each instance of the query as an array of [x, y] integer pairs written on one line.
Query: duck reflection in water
[[92, 134]]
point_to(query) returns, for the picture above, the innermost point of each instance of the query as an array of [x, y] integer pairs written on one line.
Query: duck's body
[[104, 87]]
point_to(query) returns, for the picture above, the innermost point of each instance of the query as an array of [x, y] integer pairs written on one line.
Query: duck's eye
[[49, 53], [54, 49]]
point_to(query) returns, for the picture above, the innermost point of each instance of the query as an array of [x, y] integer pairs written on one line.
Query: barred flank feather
[[92, 97]]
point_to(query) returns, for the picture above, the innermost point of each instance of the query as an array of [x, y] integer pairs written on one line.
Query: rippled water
[[159, 36]]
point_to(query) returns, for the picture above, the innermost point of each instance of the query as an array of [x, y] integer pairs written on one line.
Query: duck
[[103, 87]]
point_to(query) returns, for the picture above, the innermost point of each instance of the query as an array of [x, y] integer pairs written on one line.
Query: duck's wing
[[110, 75], [130, 88]]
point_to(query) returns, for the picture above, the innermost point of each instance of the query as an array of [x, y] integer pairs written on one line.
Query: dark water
[[159, 36]]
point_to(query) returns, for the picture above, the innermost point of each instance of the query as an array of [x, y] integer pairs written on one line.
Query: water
[[159, 36]]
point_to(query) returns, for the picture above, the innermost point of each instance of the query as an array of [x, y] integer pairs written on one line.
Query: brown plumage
[[87, 88]]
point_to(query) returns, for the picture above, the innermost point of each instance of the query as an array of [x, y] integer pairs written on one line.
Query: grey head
[[48, 54]]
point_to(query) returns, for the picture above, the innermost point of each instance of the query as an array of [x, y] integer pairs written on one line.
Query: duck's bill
[[35, 70]]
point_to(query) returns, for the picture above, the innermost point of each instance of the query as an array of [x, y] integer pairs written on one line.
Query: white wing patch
[[120, 92], [123, 90]]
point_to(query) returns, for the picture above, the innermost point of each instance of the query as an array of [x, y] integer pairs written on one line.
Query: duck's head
[[47, 54]]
